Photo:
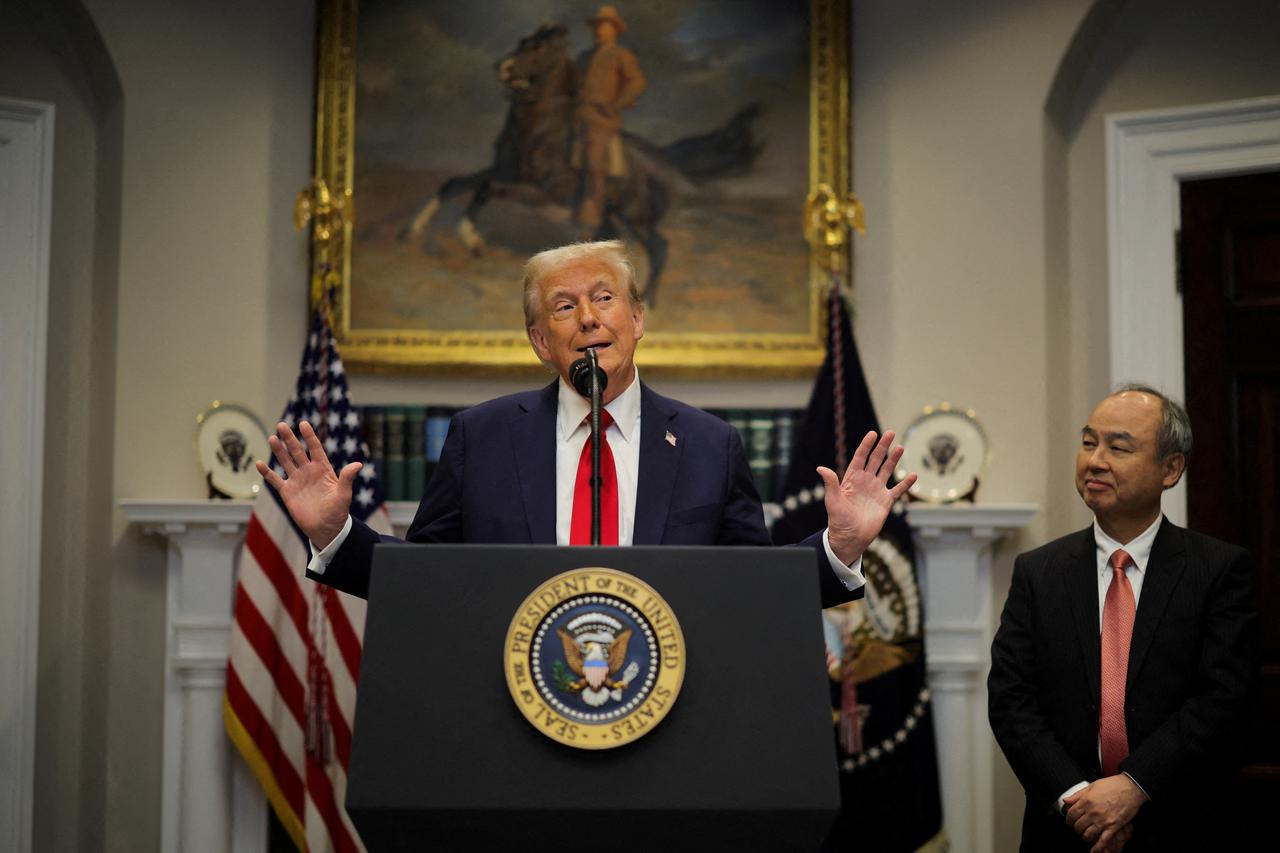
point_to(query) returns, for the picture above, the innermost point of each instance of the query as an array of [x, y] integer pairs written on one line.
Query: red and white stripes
[[284, 625]]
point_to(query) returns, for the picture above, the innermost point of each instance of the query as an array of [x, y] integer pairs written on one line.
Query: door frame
[[26, 181], [1148, 154]]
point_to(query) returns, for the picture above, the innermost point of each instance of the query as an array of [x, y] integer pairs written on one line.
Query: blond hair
[[610, 252]]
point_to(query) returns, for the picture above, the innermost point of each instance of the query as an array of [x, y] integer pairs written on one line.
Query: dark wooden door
[[1231, 321]]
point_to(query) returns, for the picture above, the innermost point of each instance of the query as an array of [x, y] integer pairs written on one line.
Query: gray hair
[[1174, 435], [610, 252]]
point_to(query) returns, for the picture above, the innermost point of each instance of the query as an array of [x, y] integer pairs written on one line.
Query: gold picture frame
[[676, 343]]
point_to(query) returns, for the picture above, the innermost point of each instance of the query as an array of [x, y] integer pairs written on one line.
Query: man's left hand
[[1104, 807], [858, 504]]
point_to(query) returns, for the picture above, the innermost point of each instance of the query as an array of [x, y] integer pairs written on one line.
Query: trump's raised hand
[[860, 501], [317, 499]]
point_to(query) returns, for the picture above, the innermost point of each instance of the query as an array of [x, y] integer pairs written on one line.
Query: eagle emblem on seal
[[595, 650]]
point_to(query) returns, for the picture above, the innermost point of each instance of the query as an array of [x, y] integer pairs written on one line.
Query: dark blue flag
[[880, 700]]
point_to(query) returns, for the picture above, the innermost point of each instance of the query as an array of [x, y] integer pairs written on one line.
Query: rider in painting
[[609, 82]]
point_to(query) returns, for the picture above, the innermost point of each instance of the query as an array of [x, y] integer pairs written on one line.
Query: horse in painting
[[533, 158]]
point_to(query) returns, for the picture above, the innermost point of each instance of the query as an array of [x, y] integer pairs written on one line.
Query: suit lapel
[[1082, 583], [659, 461], [1164, 570], [533, 437]]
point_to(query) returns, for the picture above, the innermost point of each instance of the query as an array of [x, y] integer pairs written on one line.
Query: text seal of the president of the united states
[[594, 658]]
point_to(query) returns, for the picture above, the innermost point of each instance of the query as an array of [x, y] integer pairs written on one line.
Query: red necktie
[[1117, 629], [580, 525]]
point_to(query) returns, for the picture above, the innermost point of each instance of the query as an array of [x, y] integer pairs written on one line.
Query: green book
[[784, 429], [372, 427], [760, 450], [415, 460], [740, 419], [394, 481]]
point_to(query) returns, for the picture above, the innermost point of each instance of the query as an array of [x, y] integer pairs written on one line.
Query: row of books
[[405, 443], [768, 436]]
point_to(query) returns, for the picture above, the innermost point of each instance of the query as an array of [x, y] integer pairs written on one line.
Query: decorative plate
[[229, 440], [947, 448]]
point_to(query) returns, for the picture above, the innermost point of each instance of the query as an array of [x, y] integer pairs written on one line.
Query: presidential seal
[[594, 658]]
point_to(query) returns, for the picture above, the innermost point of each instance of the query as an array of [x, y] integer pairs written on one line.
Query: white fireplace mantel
[[956, 545], [210, 801]]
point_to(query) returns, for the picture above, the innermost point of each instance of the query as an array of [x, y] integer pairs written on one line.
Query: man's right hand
[[318, 501], [1113, 843]]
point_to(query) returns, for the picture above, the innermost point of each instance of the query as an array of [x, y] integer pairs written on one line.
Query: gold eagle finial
[[828, 217]]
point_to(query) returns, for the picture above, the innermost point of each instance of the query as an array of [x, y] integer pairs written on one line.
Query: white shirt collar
[[573, 409], [1139, 548]]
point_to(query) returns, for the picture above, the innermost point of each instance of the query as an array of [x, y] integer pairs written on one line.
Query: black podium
[[442, 758]]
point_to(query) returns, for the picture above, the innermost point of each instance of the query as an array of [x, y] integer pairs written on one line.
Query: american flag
[[295, 645]]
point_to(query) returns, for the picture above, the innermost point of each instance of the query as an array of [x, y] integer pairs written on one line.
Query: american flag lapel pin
[[670, 439]]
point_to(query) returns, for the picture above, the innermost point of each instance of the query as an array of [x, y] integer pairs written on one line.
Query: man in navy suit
[[507, 470], [1126, 656]]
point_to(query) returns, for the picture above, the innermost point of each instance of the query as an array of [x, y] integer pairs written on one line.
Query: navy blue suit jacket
[[496, 484]]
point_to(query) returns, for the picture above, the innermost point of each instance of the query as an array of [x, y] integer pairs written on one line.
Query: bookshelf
[[405, 443]]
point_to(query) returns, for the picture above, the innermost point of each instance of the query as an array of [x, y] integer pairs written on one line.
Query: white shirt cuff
[[320, 559], [1074, 789], [850, 576]]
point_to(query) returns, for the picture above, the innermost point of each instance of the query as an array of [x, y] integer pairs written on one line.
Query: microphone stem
[[595, 448]]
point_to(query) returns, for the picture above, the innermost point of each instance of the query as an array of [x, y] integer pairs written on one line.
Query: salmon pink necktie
[[580, 522], [1117, 628]]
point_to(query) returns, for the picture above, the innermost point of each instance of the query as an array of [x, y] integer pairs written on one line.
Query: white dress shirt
[[1139, 550], [573, 427]]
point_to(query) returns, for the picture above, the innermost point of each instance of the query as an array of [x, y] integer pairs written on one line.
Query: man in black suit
[[1125, 658], [507, 470]]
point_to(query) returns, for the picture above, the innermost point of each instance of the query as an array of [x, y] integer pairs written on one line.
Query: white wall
[[212, 299], [953, 303]]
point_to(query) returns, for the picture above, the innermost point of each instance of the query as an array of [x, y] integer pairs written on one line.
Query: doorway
[[1230, 261]]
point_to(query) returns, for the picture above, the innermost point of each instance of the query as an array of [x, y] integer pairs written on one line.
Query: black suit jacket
[[496, 483], [1192, 671]]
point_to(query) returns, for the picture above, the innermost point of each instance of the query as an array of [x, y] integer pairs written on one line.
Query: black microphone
[[581, 373], [580, 377]]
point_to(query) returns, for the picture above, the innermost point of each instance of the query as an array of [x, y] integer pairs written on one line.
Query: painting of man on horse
[[704, 208]]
